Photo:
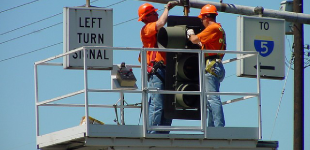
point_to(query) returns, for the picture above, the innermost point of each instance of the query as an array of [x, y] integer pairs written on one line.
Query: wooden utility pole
[[298, 79]]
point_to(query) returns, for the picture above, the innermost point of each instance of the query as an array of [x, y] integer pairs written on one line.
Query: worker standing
[[156, 61], [212, 38]]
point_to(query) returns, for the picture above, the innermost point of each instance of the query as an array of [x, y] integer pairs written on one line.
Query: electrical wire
[[31, 51], [47, 28], [229, 76], [34, 50], [18, 6], [116, 3], [282, 93], [37, 21], [31, 33], [287, 62], [131, 19], [31, 24], [307, 57], [126, 21], [94, 1]]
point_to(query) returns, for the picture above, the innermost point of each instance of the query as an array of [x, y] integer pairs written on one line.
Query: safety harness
[[211, 60], [210, 63]]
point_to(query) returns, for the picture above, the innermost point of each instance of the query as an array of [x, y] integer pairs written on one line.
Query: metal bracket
[[259, 10]]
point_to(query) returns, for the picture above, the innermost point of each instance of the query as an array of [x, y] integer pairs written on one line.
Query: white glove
[[190, 32], [171, 4]]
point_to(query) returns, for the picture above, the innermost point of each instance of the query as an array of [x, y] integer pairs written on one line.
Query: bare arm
[[162, 19], [194, 39]]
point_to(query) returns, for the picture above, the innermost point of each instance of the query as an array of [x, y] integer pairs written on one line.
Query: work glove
[[190, 32], [171, 4]]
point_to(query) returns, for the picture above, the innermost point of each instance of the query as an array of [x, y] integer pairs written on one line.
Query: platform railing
[[145, 90]]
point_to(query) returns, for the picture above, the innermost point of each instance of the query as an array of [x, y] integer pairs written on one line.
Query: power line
[[94, 1], [282, 93], [126, 21], [46, 19], [18, 6], [116, 3], [30, 33], [39, 21], [131, 20], [30, 24], [31, 51], [49, 27], [39, 48], [288, 62]]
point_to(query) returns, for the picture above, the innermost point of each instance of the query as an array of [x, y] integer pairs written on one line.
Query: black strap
[[160, 77], [213, 57]]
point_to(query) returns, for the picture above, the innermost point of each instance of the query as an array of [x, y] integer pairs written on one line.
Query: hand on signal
[[171, 4], [190, 32]]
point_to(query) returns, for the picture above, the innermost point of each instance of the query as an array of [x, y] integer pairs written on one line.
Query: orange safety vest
[[213, 38], [149, 40]]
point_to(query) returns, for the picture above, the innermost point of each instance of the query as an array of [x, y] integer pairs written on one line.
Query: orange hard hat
[[207, 9], [145, 9]]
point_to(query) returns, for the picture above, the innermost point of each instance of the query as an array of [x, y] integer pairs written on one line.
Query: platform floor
[[130, 137]]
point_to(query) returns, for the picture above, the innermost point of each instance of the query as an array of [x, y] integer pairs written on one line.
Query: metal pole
[[245, 10], [86, 92], [122, 109], [298, 79], [203, 97], [144, 93], [259, 101], [36, 95], [87, 3], [186, 7]]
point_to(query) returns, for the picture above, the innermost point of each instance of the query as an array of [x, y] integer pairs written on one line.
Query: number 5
[[264, 46]]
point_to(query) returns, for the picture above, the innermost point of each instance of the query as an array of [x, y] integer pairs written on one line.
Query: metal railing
[[144, 91]]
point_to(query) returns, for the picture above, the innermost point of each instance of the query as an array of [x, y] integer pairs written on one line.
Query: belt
[[213, 57], [209, 65]]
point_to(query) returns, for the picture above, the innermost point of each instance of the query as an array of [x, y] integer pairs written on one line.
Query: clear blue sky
[[21, 48]]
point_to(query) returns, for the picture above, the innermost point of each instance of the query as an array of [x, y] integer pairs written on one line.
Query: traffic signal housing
[[182, 69]]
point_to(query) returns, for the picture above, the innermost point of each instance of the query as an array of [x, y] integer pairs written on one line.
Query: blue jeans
[[156, 110], [214, 104]]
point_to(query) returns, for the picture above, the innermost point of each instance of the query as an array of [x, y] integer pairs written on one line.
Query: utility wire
[[229, 76], [39, 21], [59, 42], [116, 3], [282, 93], [288, 62], [39, 48], [126, 21], [30, 24], [131, 19], [94, 1], [18, 6], [30, 33], [31, 51], [47, 28]]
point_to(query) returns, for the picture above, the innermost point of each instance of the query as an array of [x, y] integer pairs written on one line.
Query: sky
[[34, 31]]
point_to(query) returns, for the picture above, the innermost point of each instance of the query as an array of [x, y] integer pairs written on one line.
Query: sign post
[[266, 36], [88, 26]]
